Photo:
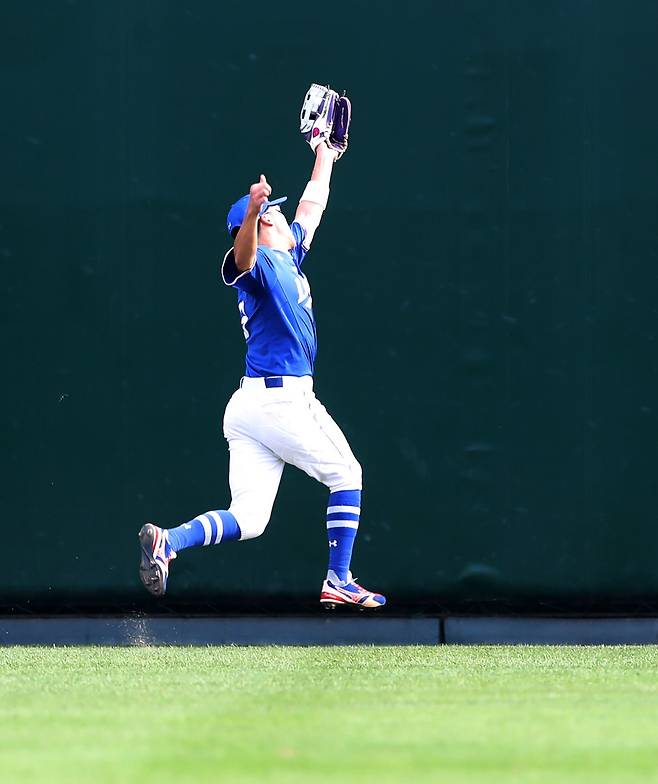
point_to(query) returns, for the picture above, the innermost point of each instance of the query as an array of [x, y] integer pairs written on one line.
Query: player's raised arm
[[324, 122], [316, 194], [246, 241]]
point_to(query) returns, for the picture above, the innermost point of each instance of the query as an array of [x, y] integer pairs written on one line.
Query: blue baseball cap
[[238, 210]]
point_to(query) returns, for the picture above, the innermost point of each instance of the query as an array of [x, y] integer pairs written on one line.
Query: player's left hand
[[325, 117], [316, 117]]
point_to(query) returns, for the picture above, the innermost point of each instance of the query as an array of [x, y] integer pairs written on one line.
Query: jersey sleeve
[[261, 275], [299, 251]]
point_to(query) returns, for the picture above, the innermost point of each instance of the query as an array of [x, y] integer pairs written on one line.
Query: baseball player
[[274, 417]]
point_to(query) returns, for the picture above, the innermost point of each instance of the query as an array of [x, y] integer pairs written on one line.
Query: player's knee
[[350, 477], [252, 522]]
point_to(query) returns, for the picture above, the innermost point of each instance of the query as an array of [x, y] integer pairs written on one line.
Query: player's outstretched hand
[[259, 192]]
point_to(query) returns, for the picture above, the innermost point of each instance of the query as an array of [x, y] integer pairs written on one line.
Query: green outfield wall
[[485, 284]]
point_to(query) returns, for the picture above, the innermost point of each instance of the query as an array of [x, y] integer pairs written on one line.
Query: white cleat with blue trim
[[336, 592]]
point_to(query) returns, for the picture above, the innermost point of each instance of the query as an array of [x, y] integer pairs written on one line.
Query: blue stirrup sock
[[343, 512], [209, 528]]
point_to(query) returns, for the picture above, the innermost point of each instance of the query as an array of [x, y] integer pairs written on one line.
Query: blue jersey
[[274, 300]]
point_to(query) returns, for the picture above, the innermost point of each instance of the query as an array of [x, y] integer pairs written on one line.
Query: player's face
[[278, 220]]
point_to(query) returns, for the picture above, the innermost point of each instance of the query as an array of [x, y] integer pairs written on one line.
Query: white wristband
[[317, 193]]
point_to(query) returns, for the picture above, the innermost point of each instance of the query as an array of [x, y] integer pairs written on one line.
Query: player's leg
[[254, 477], [329, 459], [308, 438]]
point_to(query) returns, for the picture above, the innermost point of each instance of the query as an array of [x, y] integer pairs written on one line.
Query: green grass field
[[361, 714]]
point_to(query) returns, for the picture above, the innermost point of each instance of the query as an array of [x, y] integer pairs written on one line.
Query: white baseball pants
[[269, 427]]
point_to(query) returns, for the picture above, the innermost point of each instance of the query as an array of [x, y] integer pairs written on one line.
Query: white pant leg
[[297, 427], [254, 473]]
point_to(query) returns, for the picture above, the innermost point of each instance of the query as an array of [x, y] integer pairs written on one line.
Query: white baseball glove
[[325, 117]]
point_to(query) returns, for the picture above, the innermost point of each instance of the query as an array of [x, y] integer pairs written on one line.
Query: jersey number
[[244, 318], [304, 292]]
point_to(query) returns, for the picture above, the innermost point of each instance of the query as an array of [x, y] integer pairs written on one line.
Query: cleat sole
[[349, 606]]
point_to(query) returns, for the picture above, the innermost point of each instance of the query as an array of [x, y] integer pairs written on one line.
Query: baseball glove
[[341, 125], [325, 117]]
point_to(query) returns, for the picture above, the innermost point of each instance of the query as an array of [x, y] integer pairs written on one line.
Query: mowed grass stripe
[[362, 714]]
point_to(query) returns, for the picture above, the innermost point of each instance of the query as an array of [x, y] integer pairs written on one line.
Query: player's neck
[[274, 241], [276, 245]]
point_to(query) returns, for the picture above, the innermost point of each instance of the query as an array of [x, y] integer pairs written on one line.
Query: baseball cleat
[[335, 593], [154, 566]]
